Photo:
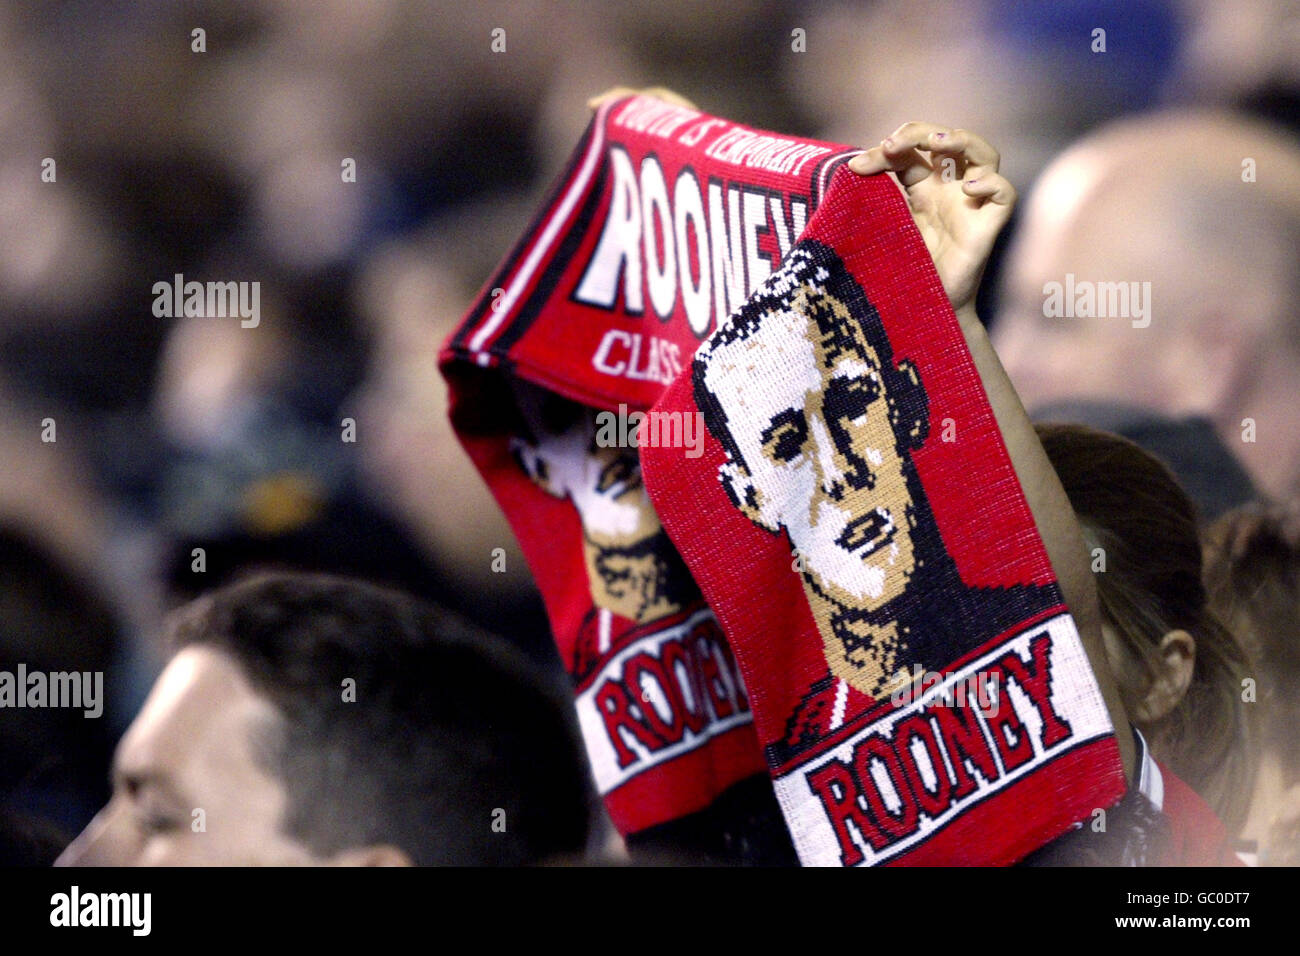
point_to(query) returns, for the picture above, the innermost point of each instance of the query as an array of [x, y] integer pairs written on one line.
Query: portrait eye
[[622, 470], [784, 438], [851, 397]]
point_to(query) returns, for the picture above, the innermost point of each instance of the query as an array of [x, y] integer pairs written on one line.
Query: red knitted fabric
[[850, 516]]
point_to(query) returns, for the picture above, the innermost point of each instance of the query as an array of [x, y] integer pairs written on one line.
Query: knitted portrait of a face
[[633, 569], [825, 455]]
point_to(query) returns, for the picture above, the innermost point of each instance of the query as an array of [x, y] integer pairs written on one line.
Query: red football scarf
[[826, 464]]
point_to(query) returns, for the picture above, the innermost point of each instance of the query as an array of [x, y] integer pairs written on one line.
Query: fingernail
[[887, 141], [971, 182], [940, 135]]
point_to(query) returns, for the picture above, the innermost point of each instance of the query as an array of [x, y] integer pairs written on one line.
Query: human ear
[[739, 486], [1177, 661], [912, 407]]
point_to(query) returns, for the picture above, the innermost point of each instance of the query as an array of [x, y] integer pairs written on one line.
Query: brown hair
[[1132, 508], [1252, 572]]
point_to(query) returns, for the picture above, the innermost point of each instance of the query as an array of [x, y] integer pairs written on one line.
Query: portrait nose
[[852, 472], [832, 469]]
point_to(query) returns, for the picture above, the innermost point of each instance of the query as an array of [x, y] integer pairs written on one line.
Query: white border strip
[[505, 305]]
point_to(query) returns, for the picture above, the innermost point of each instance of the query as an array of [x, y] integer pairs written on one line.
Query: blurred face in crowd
[[1274, 821], [1218, 336], [189, 787]]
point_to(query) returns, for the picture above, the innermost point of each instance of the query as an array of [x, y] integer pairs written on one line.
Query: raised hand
[[958, 200]]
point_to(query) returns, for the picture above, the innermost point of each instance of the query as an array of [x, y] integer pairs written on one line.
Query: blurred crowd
[[149, 460]]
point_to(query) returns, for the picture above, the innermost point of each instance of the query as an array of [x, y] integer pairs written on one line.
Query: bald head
[[1197, 215]]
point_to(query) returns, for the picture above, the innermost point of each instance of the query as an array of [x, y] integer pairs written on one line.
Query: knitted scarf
[[720, 394]]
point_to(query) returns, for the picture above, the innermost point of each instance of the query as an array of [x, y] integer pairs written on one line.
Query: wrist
[[968, 319]]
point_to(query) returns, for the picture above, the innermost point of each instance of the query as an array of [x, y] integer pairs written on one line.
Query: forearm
[[1056, 521]]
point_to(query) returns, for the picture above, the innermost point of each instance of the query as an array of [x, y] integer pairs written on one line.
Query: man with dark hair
[[310, 719], [829, 461], [56, 622]]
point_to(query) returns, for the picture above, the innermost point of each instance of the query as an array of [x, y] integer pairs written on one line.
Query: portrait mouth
[[867, 533]]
